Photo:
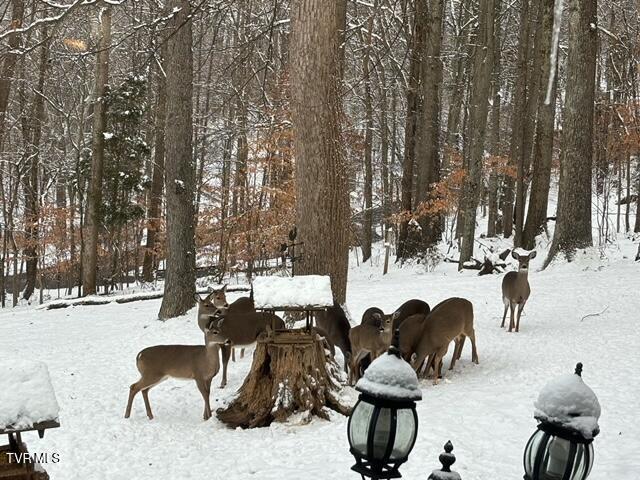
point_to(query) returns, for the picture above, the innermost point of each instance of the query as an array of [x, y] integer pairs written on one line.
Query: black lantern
[[561, 449], [383, 425]]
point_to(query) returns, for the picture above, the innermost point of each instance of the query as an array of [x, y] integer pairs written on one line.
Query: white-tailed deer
[[156, 364], [336, 325], [369, 339], [516, 289], [451, 320], [407, 309], [208, 306], [240, 328]]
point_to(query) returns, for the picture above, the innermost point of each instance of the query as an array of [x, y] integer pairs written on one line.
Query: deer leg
[[437, 363], [417, 363], [141, 385], [133, 391], [233, 354], [511, 320], [147, 405], [506, 308], [474, 351], [354, 369], [242, 352], [205, 389], [520, 308], [225, 351]]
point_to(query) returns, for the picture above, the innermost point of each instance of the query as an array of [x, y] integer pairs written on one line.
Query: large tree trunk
[[157, 181], [180, 285], [411, 122], [32, 128], [573, 224], [428, 137], [367, 224], [8, 61], [94, 194], [291, 373], [518, 121], [543, 149], [322, 200], [479, 106]]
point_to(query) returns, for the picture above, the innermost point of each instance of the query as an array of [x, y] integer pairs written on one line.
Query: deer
[[407, 309], [369, 339], [157, 363], [451, 320], [516, 289], [336, 326]]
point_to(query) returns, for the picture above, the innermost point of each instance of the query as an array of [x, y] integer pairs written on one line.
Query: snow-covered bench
[[27, 399]]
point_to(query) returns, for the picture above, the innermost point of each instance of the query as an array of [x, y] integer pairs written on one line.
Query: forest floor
[[486, 410]]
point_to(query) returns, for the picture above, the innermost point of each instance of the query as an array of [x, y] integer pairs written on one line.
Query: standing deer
[[451, 320], [336, 325], [516, 289], [369, 339], [407, 309], [240, 328], [157, 363]]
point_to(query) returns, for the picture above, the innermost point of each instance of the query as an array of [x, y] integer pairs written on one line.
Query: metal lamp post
[[561, 449], [383, 426]]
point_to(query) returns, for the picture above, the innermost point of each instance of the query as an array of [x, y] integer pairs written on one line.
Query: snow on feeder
[[383, 426], [561, 449]]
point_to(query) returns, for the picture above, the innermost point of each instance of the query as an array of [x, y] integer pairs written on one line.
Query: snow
[[300, 291], [107, 135], [390, 377], [26, 394], [569, 402]]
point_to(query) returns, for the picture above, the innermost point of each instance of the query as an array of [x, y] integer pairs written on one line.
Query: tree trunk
[[8, 61], [180, 285], [290, 373], [411, 122], [322, 200], [94, 194], [157, 181], [479, 106], [494, 139], [573, 224], [428, 131], [367, 224], [543, 148]]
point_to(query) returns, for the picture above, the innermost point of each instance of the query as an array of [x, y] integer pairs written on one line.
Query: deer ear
[[377, 316], [533, 254], [197, 298], [515, 255], [395, 315], [224, 288]]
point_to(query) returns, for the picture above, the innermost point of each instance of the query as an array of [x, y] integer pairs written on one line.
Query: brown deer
[[407, 309], [451, 320], [336, 325], [516, 289], [157, 363], [240, 328], [369, 339]]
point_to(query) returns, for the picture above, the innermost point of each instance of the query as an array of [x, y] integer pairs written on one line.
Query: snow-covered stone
[[26, 394], [569, 402], [390, 377], [301, 291]]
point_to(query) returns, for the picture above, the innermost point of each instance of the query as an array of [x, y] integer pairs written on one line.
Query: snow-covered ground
[[486, 410]]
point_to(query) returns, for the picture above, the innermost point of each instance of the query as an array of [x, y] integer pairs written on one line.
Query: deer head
[[217, 298], [523, 260]]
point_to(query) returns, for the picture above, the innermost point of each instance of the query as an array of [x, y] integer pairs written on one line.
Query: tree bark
[[573, 224], [428, 131], [157, 182], [368, 145], [479, 106], [9, 59], [322, 200], [179, 167], [411, 122], [543, 148], [94, 194]]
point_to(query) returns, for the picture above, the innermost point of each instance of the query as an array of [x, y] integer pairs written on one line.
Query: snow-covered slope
[[486, 410]]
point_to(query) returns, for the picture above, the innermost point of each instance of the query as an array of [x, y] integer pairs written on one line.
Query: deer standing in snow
[[370, 339], [157, 363], [516, 289]]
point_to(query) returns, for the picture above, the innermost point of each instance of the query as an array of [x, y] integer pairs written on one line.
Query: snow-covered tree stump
[[292, 372]]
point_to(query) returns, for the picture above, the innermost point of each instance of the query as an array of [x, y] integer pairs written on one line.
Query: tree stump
[[292, 372]]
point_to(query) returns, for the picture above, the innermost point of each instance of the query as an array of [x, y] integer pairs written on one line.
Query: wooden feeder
[[292, 369], [29, 404]]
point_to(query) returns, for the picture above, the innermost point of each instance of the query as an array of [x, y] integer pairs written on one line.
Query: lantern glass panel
[[405, 434], [556, 459], [532, 450], [359, 426], [382, 433]]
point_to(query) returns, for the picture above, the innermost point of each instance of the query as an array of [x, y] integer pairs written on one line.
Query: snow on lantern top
[[568, 402], [390, 377], [26, 395], [304, 291]]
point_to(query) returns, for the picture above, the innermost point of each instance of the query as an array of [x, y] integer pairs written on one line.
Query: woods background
[[137, 135]]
